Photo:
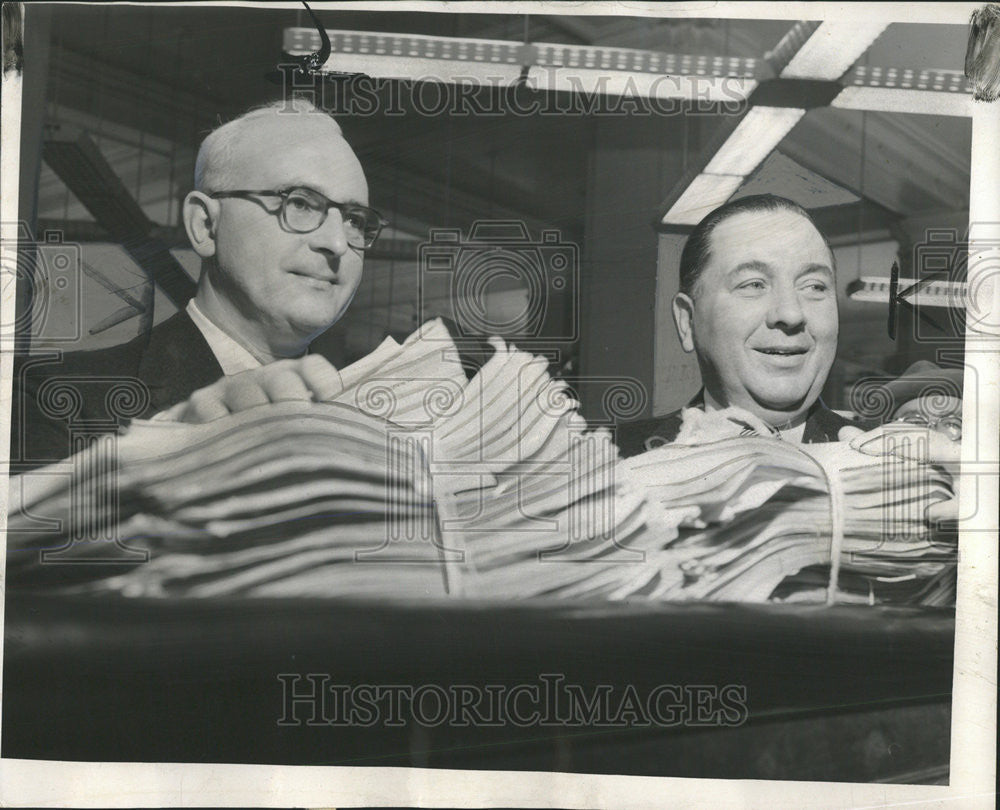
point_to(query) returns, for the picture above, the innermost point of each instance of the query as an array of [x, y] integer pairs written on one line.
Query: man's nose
[[786, 310], [331, 235]]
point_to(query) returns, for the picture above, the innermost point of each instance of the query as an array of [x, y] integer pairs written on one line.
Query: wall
[[632, 165]]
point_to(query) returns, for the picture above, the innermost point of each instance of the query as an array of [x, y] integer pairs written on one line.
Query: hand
[[848, 432], [305, 379], [914, 442], [917, 443]]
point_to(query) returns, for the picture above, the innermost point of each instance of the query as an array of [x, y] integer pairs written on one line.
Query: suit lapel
[[177, 362]]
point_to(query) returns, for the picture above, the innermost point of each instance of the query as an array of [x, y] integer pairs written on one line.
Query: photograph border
[[973, 731]]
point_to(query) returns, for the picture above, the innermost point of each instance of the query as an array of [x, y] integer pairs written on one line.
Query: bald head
[[230, 149]]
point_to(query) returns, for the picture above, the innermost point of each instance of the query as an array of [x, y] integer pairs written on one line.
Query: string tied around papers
[[498, 491]]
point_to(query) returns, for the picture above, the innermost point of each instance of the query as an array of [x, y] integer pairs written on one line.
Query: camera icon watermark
[[957, 275], [500, 281], [47, 273]]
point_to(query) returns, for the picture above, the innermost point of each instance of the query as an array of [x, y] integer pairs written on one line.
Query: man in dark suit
[[280, 219], [758, 306]]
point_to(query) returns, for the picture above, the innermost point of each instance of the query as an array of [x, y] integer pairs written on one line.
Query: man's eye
[[299, 203], [817, 287], [756, 285], [356, 219]]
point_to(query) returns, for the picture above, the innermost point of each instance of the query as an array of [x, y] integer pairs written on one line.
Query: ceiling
[[166, 74], [148, 82]]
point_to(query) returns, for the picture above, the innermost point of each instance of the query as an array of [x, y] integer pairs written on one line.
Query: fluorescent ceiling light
[[705, 193], [604, 70], [448, 71], [707, 89], [756, 136], [898, 100], [832, 49], [875, 289]]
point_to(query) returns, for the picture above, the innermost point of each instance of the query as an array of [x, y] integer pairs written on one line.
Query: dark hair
[[697, 249]]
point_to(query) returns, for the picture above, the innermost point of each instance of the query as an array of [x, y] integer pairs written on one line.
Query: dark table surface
[[852, 693]]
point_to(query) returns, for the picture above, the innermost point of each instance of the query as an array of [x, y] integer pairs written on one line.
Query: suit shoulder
[[119, 360], [641, 435]]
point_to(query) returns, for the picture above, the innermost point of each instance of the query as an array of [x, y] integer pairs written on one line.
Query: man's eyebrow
[[752, 265], [815, 267], [311, 187]]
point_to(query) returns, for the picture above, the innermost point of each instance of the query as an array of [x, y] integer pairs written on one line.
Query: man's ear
[[683, 307], [200, 212]]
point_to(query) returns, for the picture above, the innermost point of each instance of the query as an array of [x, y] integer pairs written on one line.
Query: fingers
[[282, 384], [848, 432], [205, 405], [307, 379], [941, 511], [888, 439], [931, 446], [320, 377], [871, 442], [910, 442], [171, 414]]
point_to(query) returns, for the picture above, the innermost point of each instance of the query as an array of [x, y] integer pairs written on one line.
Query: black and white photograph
[[564, 405]]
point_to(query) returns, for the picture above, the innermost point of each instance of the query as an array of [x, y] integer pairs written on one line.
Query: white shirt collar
[[232, 357]]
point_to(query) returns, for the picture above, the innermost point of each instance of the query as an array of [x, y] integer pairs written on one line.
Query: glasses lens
[[304, 212], [361, 224], [951, 426], [914, 419]]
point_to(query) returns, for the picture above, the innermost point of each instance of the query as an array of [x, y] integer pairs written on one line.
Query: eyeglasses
[[303, 210], [951, 426]]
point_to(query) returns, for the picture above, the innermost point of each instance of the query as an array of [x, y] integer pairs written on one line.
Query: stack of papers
[[753, 512], [414, 481]]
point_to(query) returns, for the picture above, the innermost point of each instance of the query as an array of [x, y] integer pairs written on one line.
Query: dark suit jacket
[[59, 402], [632, 438]]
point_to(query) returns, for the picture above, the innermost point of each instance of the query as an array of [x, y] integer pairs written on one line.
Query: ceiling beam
[[831, 49], [900, 100], [73, 156], [808, 60]]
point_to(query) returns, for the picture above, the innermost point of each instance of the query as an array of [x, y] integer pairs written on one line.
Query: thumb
[[848, 432]]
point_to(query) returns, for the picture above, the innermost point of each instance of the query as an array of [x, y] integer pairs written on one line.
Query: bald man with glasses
[[280, 219]]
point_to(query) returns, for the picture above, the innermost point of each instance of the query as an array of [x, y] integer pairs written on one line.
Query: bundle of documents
[[815, 519], [414, 481]]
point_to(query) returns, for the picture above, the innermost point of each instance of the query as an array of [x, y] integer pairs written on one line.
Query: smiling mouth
[[782, 352]]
